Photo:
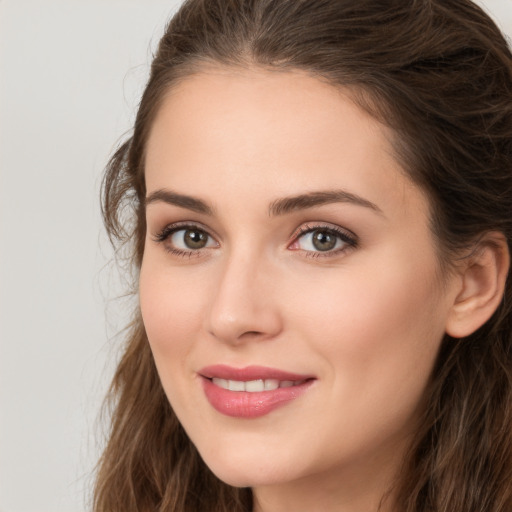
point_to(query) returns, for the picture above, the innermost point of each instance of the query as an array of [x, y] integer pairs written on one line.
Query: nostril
[[251, 334]]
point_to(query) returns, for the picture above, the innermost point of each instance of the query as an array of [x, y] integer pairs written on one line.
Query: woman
[[321, 196]]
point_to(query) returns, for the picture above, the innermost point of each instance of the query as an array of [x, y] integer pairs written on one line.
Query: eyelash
[[348, 238], [168, 231]]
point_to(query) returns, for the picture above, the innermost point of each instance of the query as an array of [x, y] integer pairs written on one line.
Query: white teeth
[[222, 383], [236, 385], [253, 386], [271, 384]]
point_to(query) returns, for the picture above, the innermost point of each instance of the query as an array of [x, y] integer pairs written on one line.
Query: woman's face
[[290, 260]]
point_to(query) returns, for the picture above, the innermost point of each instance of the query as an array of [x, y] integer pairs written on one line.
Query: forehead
[[230, 131]]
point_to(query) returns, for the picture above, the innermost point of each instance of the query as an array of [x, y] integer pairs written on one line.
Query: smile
[[255, 386], [251, 392]]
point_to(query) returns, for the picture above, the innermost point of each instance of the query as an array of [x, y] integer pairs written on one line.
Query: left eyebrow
[[311, 199]]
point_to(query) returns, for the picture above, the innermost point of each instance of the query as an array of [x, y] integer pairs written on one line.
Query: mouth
[[255, 386], [253, 391]]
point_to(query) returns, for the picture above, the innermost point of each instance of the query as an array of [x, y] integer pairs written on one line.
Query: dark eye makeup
[[322, 240], [187, 239]]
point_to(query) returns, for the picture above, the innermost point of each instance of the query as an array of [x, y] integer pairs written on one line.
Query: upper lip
[[222, 371]]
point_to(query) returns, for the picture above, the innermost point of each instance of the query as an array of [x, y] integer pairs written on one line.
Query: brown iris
[[195, 239], [324, 240]]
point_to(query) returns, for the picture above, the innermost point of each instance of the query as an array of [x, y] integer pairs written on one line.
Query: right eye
[[190, 239], [185, 240]]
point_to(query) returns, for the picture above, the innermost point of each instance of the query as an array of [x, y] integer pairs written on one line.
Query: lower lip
[[242, 404]]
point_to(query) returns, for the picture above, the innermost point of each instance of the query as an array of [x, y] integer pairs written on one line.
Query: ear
[[484, 273]]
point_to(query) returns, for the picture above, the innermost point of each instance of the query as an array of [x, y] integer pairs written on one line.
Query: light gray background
[[71, 73]]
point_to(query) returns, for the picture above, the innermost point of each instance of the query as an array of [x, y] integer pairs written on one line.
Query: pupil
[[195, 239], [323, 241]]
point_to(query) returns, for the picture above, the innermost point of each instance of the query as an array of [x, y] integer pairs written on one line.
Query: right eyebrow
[[188, 202]]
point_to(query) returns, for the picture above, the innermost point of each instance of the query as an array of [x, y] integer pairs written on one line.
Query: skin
[[366, 320]]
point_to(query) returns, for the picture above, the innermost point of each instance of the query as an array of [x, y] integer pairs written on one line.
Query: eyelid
[[164, 234], [312, 226], [350, 239], [172, 227]]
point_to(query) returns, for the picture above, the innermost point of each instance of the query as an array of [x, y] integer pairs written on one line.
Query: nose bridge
[[242, 306]]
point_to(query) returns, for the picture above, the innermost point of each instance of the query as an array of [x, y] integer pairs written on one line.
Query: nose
[[244, 306]]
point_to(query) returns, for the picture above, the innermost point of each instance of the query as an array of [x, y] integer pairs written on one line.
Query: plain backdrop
[[71, 74]]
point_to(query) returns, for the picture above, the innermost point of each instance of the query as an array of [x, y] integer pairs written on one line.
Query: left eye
[[321, 240]]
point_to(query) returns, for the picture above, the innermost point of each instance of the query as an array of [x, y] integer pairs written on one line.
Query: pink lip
[[243, 404]]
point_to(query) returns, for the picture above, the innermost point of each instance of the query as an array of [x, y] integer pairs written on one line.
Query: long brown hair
[[439, 73]]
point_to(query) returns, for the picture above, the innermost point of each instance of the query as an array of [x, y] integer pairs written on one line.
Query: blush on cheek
[[375, 323], [160, 296]]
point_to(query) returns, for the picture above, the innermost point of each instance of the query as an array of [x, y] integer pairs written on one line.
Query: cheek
[[171, 311], [379, 331], [171, 306], [367, 308]]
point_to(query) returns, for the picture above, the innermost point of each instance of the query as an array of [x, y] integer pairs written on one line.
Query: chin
[[241, 478], [240, 472]]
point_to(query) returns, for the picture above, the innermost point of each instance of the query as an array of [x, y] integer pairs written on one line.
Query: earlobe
[[484, 274]]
